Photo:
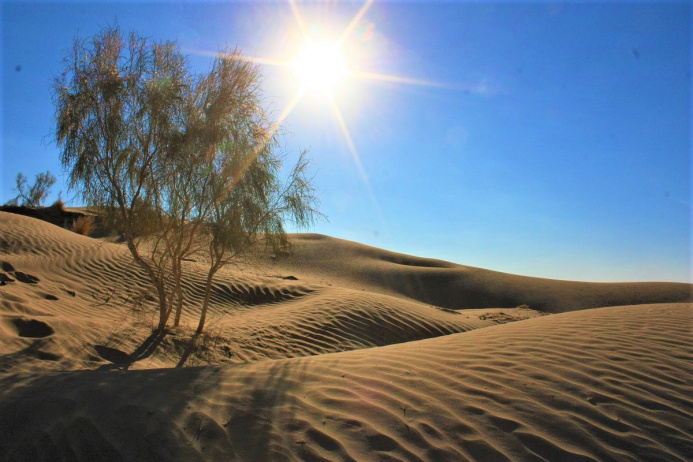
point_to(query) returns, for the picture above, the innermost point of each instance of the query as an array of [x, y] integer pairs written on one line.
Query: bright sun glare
[[320, 67]]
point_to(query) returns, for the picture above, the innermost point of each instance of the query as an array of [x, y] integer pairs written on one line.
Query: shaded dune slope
[[453, 286], [604, 384]]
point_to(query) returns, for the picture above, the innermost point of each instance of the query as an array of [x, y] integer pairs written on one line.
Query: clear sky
[[544, 139]]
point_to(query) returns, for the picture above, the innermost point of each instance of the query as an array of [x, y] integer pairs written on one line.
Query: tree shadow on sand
[[191, 346], [121, 360], [193, 413]]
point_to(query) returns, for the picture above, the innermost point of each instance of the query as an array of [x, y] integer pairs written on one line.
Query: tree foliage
[[181, 162], [34, 195]]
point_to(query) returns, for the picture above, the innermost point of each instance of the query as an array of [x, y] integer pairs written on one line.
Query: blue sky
[[552, 139]]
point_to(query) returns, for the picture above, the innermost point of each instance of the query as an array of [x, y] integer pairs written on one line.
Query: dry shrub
[[58, 205], [83, 225]]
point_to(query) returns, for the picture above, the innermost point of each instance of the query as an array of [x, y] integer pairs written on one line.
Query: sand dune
[[339, 351], [92, 289], [605, 384], [455, 286]]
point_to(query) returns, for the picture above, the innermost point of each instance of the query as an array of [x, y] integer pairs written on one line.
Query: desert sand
[[338, 351]]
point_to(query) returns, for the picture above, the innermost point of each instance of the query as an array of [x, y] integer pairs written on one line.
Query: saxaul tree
[[180, 162], [34, 195]]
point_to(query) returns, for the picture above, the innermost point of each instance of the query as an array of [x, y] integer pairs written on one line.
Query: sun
[[320, 67]]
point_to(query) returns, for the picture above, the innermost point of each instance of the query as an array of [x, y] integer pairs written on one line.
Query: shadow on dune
[[96, 415], [254, 294], [122, 360], [200, 413], [38, 349], [453, 286], [255, 429], [478, 288]]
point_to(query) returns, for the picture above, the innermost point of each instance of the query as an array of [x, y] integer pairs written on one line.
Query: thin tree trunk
[[179, 310], [205, 303], [163, 308], [176, 296], [184, 251], [165, 304], [179, 296], [157, 281]]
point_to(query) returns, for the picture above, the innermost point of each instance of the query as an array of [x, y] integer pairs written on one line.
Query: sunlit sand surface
[[338, 351]]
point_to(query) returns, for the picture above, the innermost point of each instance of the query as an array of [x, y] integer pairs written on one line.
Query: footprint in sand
[[26, 278], [21, 277], [32, 328], [4, 279]]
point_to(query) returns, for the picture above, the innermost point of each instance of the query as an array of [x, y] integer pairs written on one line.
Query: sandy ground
[[337, 352]]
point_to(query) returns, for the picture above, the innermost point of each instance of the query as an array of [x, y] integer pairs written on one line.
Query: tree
[[34, 195], [180, 162]]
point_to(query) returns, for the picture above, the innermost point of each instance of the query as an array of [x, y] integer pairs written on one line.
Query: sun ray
[[357, 160], [398, 79], [350, 142], [274, 126], [299, 20], [254, 59], [266, 61], [353, 22], [290, 107]]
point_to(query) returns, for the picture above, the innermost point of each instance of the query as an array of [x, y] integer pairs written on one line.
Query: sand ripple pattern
[[96, 300], [333, 320], [409, 376], [609, 384]]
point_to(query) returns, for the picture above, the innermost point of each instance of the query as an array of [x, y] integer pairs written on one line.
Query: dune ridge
[[453, 286]]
